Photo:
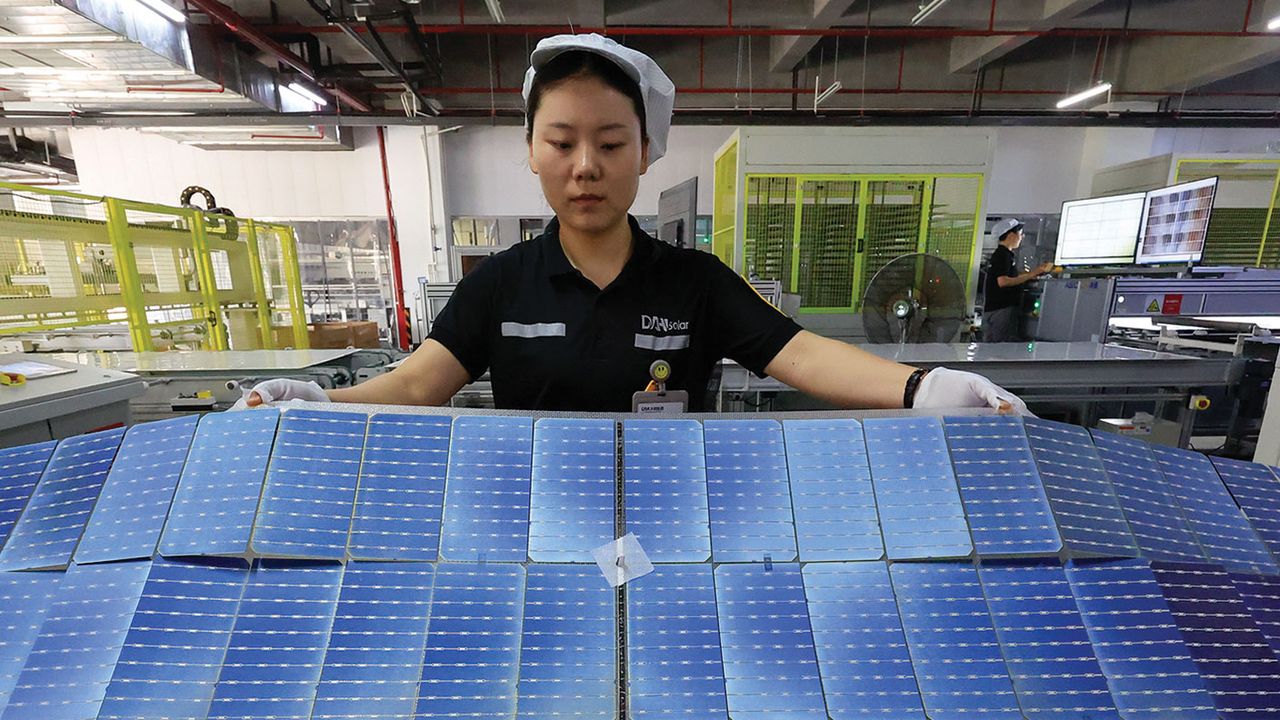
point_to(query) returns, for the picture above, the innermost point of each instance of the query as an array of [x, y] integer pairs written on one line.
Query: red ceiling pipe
[[1248, 11], [736, 31], [991, 21], [402, 315], [258, 39], [845, 91]]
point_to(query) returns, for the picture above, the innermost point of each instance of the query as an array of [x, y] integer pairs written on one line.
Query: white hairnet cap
[[656, 88], [1003, 226]]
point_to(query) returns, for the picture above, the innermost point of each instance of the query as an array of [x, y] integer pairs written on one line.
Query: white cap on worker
[[1003, 226], [657, 90]]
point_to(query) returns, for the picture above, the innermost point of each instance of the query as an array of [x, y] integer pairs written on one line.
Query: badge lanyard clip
[[656, 399]]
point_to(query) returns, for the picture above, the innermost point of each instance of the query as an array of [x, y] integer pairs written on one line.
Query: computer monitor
[[1175, 222], [1099, 231]]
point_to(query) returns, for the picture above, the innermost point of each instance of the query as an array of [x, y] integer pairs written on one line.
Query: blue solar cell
[[50, 527], [1046, 647], [176, 644], [135, 498], [862, 652], [750, 500], [1261, 596], [1235, 661], [1214, 516], [665, 473], [835, 505], [74, 655], [571, 508], [953, 642], [920, 509], [770, 664], [673, 646], [24, 601], [310, 491], [473, 642], [217, 496], [1090, 519], [277, 645], [1154, 516], [20, 469], [568, 645], [374, 660], [486, 499], [401, 493], [1003, 499], [1257, 491], [1148, 668]]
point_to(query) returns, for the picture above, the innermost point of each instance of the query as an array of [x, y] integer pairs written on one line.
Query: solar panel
[[1090, 519], [1003, 499], [568, 645], [24, 601], [49, 528], [1154, 516], [401, 492], [862, 652], [747, 490], [665, 474], [135, 498], [217, 496], [1234, 658], [278, 642], [473, 642], [1045, 645], [571, 509], [770, 663], [74, 655], [20, 469], [486, 498], [920, 510], [835, 505], [176, 643], [953, 642], [1148, 668], [673, 646], [1257, 492], [374, 660], [1261, 596], [309, 495], [1219, 525]]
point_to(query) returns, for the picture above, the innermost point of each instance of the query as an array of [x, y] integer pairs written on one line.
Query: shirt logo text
[[661, 324]]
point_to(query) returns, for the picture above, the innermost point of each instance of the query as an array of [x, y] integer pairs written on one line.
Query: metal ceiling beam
[[787, 52], [259, 39], [970, 53]]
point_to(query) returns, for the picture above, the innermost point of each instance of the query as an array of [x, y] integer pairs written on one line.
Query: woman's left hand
[[944, 388]]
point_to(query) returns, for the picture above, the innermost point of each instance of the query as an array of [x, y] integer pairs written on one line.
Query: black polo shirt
[[552, 340], [1003, 264]]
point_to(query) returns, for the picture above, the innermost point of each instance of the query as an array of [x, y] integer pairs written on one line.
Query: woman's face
[[587, 153]]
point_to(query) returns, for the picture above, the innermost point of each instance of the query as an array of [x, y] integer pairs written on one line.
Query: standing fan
[[915, 298]]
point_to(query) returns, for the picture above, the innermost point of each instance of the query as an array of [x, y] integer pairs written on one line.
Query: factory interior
[[304, 411]]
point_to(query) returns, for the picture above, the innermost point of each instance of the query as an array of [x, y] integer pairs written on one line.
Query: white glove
[[281, 389], [943, 388]]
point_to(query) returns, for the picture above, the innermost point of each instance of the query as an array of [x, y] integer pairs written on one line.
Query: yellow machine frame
[[159, 268]]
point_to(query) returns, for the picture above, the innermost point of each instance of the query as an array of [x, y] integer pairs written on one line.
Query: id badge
[[659, 402]]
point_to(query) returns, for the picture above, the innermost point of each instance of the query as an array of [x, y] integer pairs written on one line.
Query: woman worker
[[574, 319]]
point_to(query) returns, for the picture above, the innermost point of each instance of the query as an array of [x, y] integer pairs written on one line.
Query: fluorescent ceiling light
[[821, 97], [46, 40], [926, 10], [160, 7], [1274, 24], [1082, 96], [495, 10], [307, 93], [78, 73]]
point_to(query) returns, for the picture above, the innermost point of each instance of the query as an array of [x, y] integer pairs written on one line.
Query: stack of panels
[[334, 565]]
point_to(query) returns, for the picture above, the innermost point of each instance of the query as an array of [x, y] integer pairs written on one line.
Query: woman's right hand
[[281, 389]]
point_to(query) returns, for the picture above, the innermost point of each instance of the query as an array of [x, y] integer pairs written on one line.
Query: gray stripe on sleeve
[[532, 330]]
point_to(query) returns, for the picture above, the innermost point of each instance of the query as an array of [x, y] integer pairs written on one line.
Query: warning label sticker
[[1153, 304]]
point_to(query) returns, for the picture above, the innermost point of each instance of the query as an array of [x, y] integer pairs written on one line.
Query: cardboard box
[[339, 335]]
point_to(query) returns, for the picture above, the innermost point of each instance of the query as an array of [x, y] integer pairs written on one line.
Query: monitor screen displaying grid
[[831, 568]]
